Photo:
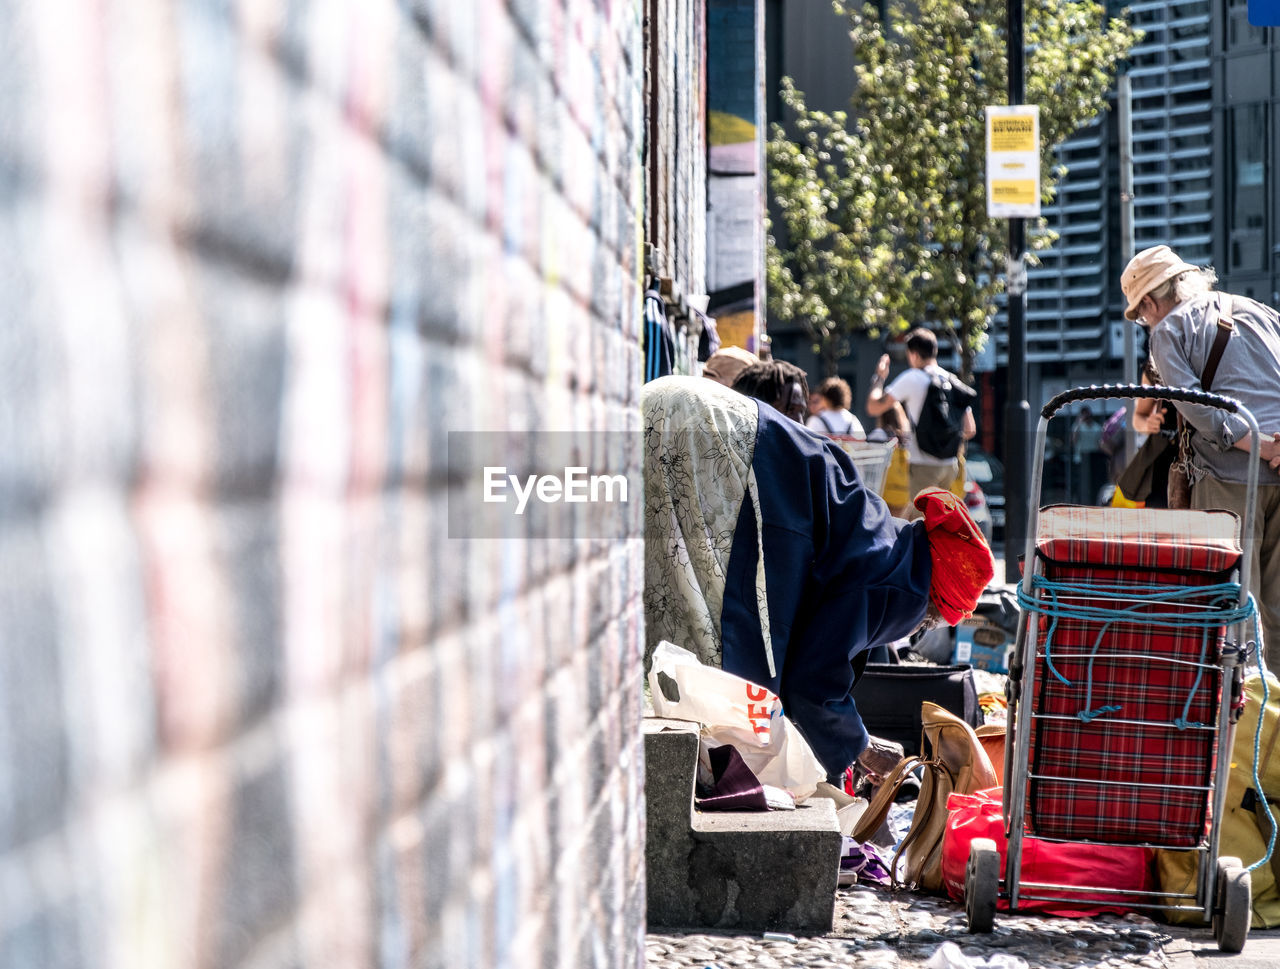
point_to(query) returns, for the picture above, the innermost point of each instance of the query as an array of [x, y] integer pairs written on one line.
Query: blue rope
[[1222, 600], [1224, 609], [1257, 753], [1182, 723]]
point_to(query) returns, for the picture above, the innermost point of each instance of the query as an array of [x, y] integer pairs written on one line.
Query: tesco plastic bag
[[1111, 866], [734, 711]]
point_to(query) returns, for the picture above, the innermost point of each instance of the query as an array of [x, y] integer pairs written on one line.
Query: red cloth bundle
[[962, 560]]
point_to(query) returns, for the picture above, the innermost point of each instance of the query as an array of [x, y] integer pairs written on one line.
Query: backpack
[[848, 427], [938, 431]]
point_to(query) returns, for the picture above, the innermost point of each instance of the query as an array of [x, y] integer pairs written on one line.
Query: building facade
[[264, 704], [1075, 321], [1246, 146], [1205, 139]]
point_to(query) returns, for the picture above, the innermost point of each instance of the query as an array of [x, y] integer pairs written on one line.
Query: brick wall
[[258, 259]]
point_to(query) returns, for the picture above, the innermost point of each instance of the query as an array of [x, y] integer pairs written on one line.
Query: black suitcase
[[889, 696]]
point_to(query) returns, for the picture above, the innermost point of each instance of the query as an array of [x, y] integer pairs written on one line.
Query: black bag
[[888, 697], [938, 431], [1149, 469]]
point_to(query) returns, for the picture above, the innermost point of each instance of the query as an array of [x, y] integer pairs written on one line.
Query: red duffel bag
[[977, 815]]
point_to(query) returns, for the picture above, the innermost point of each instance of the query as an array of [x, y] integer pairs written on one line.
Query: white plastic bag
[[950, 956], [734, 711]]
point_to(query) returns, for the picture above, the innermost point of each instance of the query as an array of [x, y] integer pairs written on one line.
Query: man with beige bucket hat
[[1177, 305]]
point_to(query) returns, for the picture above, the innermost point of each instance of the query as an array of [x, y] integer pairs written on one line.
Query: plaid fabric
[[1090, 771], [1167, 539]]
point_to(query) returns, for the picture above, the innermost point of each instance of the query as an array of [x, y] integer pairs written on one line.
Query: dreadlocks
[[772, 383]]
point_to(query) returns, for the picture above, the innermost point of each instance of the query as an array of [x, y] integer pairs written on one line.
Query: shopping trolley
[[871, 458], [1121, 691]]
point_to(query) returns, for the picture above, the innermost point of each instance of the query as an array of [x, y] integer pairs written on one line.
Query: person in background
[[1087, 459], [833, 415], [1176, 304], [816, 402], [727, 363], [1151, 416], [892, 425], [1112, 442], [909, 389], [766, 557], [780, 384]]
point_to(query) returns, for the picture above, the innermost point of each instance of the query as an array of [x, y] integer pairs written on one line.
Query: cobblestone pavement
[[875, 929]]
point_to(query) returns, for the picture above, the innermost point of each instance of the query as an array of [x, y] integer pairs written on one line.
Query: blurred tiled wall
[[258, 258]]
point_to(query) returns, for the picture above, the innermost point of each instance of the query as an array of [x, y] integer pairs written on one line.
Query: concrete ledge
[[753, 870]]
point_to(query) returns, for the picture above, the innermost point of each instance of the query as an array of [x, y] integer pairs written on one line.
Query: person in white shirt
[[833, 416], [909, 389]]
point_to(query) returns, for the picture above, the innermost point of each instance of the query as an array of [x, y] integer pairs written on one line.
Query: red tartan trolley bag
[[1121, 689]]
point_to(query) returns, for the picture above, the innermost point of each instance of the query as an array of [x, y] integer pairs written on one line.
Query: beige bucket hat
[[1147, 270], [725, 364]]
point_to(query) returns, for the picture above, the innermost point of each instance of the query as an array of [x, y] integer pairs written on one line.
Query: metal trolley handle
[[1139, 392]]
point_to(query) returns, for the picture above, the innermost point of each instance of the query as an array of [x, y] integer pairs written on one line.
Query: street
[[877, 929]]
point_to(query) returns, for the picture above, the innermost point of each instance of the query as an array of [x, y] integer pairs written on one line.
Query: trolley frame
[[1022, 678]]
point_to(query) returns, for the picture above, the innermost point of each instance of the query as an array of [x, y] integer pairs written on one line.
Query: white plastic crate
[[871, 458]]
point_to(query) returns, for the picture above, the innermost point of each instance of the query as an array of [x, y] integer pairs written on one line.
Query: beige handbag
[[954, 760]]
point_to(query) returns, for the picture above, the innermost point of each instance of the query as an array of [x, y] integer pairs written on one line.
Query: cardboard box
[[982, 644]]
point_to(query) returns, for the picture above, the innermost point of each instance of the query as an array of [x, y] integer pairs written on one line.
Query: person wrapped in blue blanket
[[766, 557]]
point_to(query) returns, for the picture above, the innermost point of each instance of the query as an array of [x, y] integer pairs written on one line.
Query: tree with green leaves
[[884, 206]]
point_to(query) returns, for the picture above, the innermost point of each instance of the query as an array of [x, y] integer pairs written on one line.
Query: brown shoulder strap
[[1225, 326], [878, 809]]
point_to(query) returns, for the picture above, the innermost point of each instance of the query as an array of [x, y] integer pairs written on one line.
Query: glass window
[[1189, 76], [1240, 33], [1247, 186], [1192, 142]]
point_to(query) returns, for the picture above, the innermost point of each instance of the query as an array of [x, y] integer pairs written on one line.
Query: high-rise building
[[1075, 323], [1246, 111]]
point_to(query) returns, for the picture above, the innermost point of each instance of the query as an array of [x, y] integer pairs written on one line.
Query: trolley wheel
[[1233, 905], [982, 884]]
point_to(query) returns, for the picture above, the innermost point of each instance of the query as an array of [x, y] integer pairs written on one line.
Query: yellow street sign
[[1013, 161]]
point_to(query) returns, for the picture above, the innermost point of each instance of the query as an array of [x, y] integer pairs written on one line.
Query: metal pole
[[1017, 433], [1124, 97]]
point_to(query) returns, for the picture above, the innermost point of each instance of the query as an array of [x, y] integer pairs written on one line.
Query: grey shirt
[[1249, 371]]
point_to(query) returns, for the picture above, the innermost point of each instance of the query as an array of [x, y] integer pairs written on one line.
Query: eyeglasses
[[1142, 317]]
